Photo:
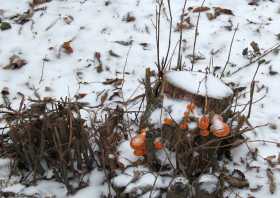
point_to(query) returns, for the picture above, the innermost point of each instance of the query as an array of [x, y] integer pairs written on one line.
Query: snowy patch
[[208, 183]]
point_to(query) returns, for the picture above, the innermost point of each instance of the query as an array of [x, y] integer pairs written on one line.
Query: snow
[[199, 83], [180, 180], [217, 124], [173, 108], [208, 183], [96, 187], [16, 188], [134, 179], [46, 189], [4, 167], [126, 156], [96, 27], [122, 180], [149, 180]]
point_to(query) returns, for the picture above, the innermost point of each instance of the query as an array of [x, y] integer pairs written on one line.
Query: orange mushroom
[[204, 132], [158, 144], [218, 127], [222, 132], [184, 125], [139, 152], [191, 107], [138, 142], [168, 121], [203, 122]]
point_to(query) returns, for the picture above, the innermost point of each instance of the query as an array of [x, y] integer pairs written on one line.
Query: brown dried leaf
[[68, 19], [186, 24], [210, 16], [201, 9], [270, 158], [97, 55], [272, 184], [104, 98], [39, 2], [253, 3], [129, 18], [15, 63], [67, 47], [237, 179], [115, 82], [99, 67], [80, 95], [218, 11], [255, 47], [236, 182]]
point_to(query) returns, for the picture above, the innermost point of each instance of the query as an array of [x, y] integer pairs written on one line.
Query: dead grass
[[49, 135]]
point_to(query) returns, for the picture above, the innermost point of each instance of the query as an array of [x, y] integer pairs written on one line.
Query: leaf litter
[[110, 127]]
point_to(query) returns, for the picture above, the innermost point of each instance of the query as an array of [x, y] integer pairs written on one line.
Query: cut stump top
[[199, 83]]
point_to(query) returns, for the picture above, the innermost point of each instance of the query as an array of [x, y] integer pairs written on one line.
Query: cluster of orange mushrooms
[[218, 127], [139, 144], [214, 126]]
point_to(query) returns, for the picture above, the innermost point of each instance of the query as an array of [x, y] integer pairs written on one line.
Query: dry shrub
[[196, 154], [108, 133], [49, 135]]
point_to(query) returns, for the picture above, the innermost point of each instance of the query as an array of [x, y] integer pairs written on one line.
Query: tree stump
[[202, 89]]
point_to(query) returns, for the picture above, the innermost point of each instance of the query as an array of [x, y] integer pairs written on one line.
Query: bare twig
[[195, 37], [211, 142], [252, 89], [170, 34], [229, 53], [122, 96], [43, 68], [179, 60], [270, 50], [158, 17], [53, 23]]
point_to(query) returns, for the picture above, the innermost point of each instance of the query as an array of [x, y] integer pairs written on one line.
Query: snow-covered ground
[[101, 26]]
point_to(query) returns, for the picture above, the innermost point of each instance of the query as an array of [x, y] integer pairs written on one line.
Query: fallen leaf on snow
[[237, 179], [80, 95], [15, 63], [67, 47], [68, 19], [186, 24], [5, 91], [219, 11], [272, 184], [39, 2], [201, 9], [115, 81], [129, 18], [99, 67], [112, 53]]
